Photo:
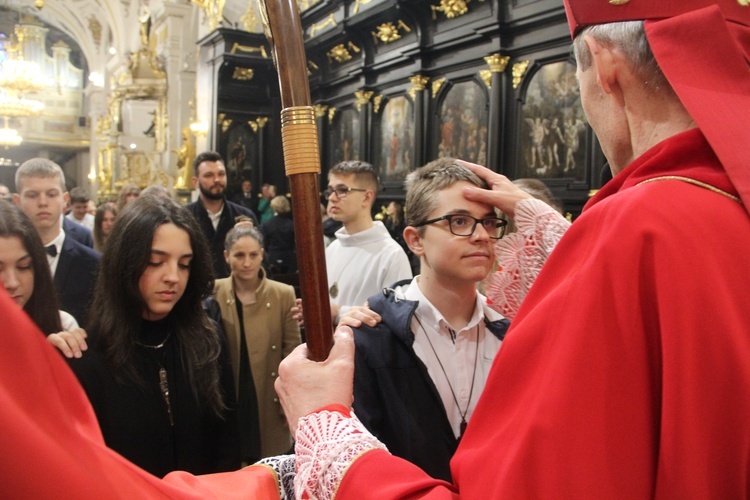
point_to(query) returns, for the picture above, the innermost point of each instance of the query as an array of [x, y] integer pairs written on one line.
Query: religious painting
[[462, 129], [395, 151], [240, 156], [553, 126], [345, 133]]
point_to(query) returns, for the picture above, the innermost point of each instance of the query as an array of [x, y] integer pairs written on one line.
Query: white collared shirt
[[58, 243], [461, 359], [215, 217]]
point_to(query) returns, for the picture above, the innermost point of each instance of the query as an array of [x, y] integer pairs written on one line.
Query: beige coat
[[271, 333]]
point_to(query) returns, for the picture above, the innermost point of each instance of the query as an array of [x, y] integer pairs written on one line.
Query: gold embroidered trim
[[695, 183]]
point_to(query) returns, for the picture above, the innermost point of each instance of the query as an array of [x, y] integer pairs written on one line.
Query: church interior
[[124, 92]]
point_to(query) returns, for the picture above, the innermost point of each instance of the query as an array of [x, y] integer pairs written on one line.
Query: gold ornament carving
[[355, 10], [339, 54], [418, 83], [376, 102], [331, 114], [486, 76], [249, 50], [320, 110], [389, 32], [363, 97], [95, 27], [451, 8], [316, 27], [250, 21], [243, 74], [436, 86], [497, 63], [519, 69], [262, 120], [253, 125], [225, 124]]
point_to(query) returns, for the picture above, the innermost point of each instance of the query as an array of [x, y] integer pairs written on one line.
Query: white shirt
[[68, 321], [58, 243], [215, 217], [362, 264], [87, 221], [461, 358]]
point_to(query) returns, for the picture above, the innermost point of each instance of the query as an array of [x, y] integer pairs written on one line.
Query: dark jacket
[[216, 237], [78, 232], [75, 278], [394, 396], [278, 241]]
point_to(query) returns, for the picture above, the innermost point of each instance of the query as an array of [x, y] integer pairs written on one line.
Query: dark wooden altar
[[399, 83]]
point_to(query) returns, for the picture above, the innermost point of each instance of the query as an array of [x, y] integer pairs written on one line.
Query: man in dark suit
[[78, 232], [246, 198], [214, 213], [40, 187]]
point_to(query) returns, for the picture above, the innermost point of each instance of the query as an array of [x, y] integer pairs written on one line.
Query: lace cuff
[[327, 443], [521, 255], [283, 466]]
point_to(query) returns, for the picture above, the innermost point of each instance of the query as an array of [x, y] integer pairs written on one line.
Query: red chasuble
[[51, 445], [626, 373]]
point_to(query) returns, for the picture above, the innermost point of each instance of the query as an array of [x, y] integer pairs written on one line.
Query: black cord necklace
[[163, 379], [462, 426]]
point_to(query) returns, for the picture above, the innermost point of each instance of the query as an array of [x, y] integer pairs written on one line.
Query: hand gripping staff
[[299, 135]]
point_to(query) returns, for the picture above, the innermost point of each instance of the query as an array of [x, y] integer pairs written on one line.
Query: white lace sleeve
[[327, 443], [521, 255]]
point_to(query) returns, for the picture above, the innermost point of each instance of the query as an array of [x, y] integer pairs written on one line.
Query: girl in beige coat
[[270, 333]]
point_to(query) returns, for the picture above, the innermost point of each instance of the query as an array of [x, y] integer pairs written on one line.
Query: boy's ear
[[414, 240]]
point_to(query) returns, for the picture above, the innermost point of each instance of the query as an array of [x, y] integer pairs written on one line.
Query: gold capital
[[497, 63], [519, 69]]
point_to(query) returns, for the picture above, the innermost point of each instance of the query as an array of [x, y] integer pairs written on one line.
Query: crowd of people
[[607, 357]]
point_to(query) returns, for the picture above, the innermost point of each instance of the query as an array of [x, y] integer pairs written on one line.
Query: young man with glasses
[[364, 259], [420, 371]]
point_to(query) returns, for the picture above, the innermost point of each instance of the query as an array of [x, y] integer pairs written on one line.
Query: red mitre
[[703, 48]]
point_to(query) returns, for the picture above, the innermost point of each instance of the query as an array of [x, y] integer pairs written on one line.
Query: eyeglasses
[[464, 225], [341, 191]]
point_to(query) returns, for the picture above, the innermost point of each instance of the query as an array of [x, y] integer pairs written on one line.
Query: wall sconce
[[199, 129]]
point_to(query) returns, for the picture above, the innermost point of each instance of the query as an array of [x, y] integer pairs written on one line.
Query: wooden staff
[[299, 135]]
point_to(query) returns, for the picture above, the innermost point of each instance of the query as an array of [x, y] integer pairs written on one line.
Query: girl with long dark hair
[[158, 378], [26, 276]]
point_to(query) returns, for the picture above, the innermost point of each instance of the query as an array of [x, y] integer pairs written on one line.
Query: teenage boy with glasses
[[420, 371], [364, 258]]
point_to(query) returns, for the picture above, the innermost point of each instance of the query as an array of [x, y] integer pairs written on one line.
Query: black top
[[278, 236], [135, 420]]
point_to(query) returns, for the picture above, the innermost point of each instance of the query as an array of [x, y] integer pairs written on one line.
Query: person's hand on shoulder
[[356, 316], [71, 343]]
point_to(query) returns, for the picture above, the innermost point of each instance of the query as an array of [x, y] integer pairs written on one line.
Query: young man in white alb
[[364, 259]]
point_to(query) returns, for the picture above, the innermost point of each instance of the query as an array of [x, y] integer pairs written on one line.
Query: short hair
[[423, 184], [212, 156], [237, 232], [280, 205], [156, 190], [39, 167], [79, 195], [42, 306], [630, 38], [362, 171]]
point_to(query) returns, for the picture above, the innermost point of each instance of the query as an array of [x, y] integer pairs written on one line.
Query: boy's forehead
[[340, 178], [452, 199], [46, 182]]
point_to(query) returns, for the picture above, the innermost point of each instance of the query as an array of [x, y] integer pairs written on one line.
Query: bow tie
[[51, 250]]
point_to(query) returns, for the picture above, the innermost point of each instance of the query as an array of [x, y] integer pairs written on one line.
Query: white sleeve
[[68, 321], [521, 255]]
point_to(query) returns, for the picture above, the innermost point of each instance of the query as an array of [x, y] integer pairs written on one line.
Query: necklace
[[462, 426], [163, 379], [334, 290]]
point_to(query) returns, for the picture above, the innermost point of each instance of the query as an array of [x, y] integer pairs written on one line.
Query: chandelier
[[8, 136], [20, 75], [13, 105]]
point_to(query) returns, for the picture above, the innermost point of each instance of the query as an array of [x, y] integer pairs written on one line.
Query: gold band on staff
[[299, 134]]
